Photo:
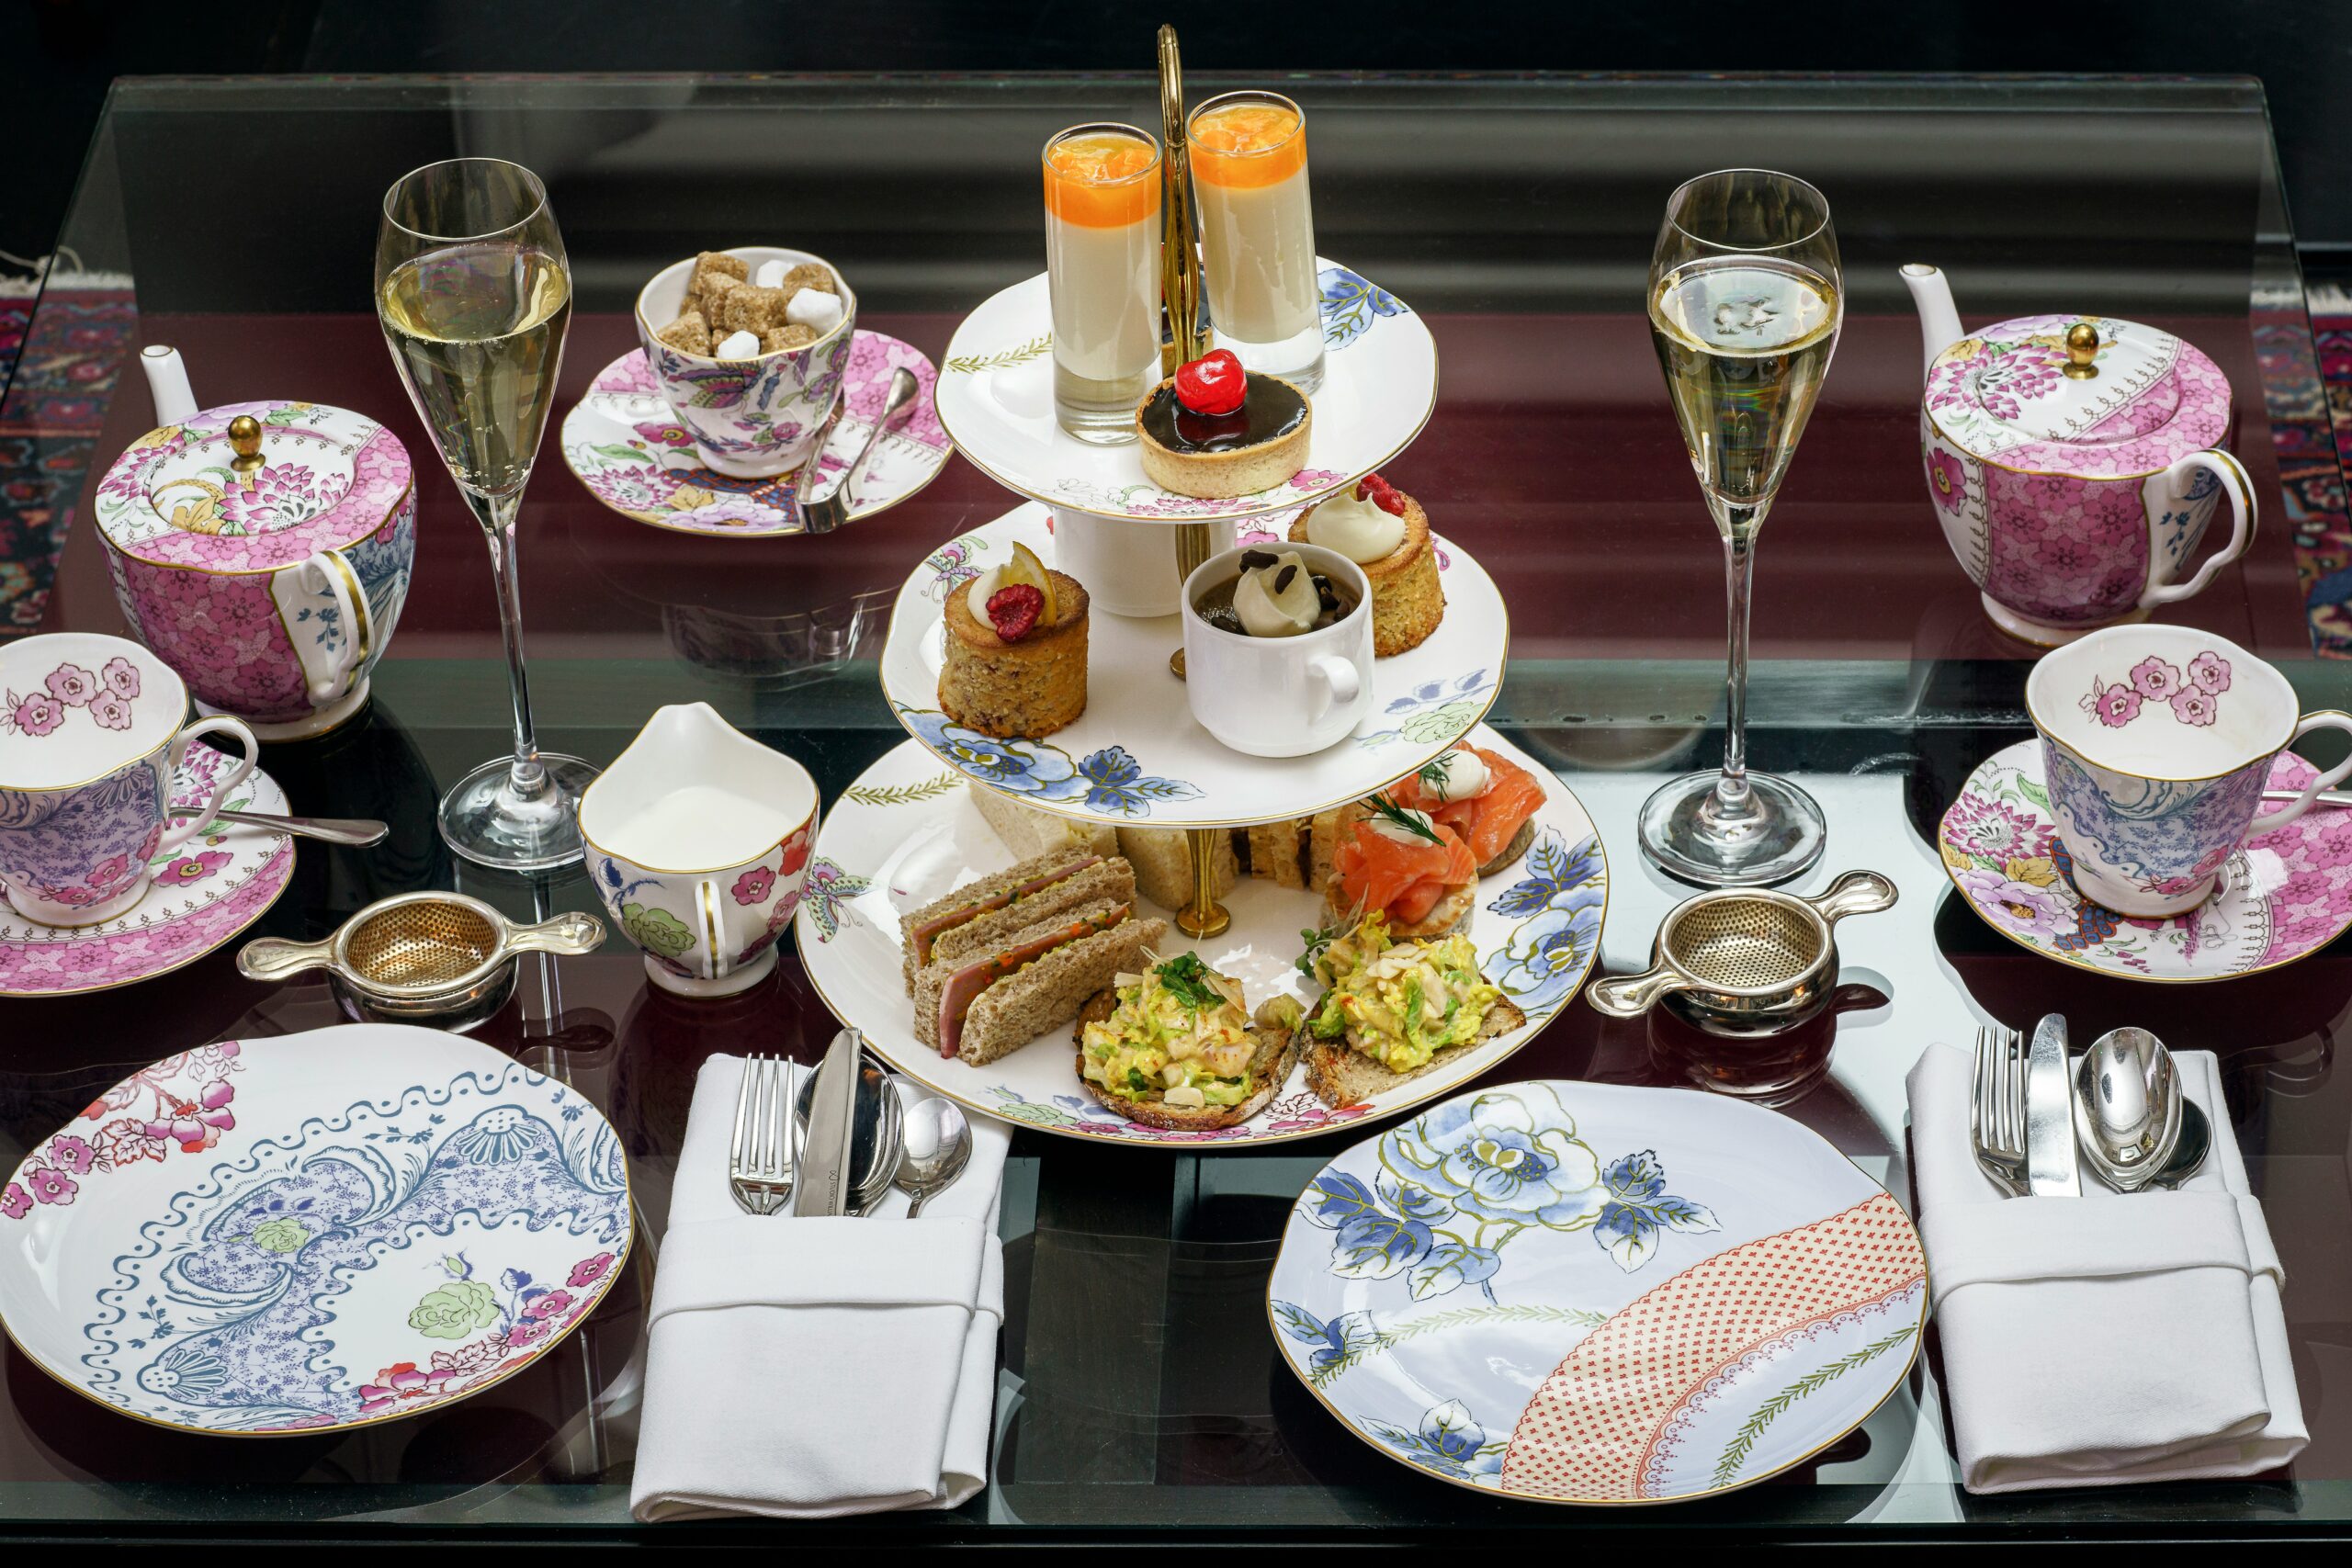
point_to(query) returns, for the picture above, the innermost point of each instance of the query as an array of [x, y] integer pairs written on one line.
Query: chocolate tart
[[1216, 457], [1010, 689]]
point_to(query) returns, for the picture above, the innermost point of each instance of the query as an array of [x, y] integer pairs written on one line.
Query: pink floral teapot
[[2074, 462], [262, 549]]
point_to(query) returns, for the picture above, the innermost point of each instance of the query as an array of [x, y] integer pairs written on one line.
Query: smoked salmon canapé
[[1488, 799], [1400, 864]]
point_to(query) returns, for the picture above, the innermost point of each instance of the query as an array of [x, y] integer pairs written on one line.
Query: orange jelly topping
[[1247, 144], [1104, 180]]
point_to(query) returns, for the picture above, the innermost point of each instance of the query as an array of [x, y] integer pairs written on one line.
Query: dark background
[[58, 56]]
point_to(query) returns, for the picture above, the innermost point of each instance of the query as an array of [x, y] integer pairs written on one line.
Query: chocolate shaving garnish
[[1256, 560], [1284, 577]]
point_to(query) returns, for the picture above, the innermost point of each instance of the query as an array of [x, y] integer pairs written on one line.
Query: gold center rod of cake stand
[[1180, 262], [1204, 917], [1180, 289]]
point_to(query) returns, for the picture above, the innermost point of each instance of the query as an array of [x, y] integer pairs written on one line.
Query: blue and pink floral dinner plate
[[311, 1231], [1579, 1292], [906, 833]]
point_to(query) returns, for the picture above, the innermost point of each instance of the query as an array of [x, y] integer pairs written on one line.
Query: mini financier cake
[[1015, 659], [1214, 430], [1385, 531]]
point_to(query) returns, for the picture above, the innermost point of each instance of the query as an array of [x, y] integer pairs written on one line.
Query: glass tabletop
[[235, 218]]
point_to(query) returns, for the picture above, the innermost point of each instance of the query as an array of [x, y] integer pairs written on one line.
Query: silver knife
[[2050, 1114], [822, 1186]]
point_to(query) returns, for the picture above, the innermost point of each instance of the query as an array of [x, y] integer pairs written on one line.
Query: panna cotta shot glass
[[1279, 697], [1103, 273], [1248, 152]]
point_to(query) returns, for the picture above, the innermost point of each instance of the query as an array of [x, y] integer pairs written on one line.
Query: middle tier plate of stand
[[1137, 757]]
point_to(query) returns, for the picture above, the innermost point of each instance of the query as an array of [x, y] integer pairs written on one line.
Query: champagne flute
[[474, 292], [1745, 305]]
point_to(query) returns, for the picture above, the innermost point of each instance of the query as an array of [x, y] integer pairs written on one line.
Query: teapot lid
[[2042, 394], [203, 495]]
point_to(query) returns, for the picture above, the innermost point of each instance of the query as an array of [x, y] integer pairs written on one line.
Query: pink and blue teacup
[[90, 737], [2156, 743]]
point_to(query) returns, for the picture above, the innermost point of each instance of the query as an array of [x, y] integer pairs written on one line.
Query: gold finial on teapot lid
[[2082, 347], [245, 439]]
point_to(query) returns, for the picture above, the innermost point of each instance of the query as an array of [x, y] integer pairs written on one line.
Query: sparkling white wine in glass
[[477, 331], [1744, 342], [1744, 313], [474, 295]]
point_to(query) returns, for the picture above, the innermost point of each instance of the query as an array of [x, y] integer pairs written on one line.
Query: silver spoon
[[2188, 1155], [357, 831], [823, 514], [2325, 797], [2127, 1107], [938, 1147]]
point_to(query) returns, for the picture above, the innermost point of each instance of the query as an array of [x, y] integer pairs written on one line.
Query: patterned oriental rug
[[57, 374]]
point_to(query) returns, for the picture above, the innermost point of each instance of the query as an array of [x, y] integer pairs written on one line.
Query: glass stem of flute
[[498, 516], [1739, 524]]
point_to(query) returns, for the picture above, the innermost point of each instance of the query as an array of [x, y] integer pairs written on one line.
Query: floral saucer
[[311, 1231], [1137, 755], [905, 833], [205, 892], [627, 448], [996, 400], [1581, 1292], [2280, 897]]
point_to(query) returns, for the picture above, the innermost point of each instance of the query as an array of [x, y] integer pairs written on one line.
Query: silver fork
[[765, 1146], [1996, 1108]]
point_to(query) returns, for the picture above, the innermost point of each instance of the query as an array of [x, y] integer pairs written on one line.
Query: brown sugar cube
[[711, 297], [793, 335], [688, 334], [712, 264], [808, 275], [751, 309]]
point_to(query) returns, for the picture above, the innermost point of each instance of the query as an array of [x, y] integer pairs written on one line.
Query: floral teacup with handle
[[2157, 741], [90, 737], [698, 843]]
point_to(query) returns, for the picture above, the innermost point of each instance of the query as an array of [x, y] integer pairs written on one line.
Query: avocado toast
[[1175, 1047], [1394, 1009]]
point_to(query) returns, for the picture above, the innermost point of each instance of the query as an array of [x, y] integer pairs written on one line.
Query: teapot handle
[[2243, 514], [329, 575]]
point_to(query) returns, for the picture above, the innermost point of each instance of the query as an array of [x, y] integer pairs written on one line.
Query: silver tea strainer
[[441, 957], [1745, 961]]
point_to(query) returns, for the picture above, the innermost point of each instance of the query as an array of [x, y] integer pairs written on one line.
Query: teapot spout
[[1939, 317], [167, 384]]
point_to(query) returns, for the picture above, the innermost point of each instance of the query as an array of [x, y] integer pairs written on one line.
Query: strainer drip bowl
[[432, 943], [1744, 944]]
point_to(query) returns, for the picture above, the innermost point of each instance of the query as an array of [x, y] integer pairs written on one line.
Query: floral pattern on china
[[205, 892], [2194, 698], [105, 695], [330, 477], [2003, 394], [339, 1251], [1429, 1277], [2281, 897]]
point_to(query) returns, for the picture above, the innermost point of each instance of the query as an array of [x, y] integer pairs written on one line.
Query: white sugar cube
[[815, 309], [740, 345], [771, 275]]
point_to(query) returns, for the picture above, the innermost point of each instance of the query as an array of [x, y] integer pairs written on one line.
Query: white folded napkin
[[2107, 1339], [811, 1368]]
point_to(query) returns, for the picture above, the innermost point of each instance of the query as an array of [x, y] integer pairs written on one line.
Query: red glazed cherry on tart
[[1013, 611], [1215, 383]]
